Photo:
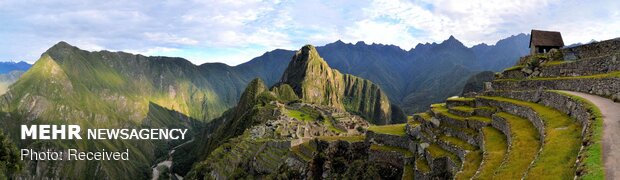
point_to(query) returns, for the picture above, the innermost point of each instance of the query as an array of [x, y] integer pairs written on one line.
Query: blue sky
[[233, 32]]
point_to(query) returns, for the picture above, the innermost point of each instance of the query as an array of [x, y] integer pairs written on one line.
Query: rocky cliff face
[[315, 82]]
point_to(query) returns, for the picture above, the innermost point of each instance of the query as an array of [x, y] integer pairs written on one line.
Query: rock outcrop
[[315, 82]]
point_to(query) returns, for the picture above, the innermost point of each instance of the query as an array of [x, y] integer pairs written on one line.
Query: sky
[[233, 31]]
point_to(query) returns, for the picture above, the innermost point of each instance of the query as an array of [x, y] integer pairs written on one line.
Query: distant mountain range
[[117, 89]]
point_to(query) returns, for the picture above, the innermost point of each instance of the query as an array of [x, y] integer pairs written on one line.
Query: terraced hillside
[[541, 119]]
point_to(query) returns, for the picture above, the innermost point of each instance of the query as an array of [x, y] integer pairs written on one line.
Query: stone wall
[[599, 86], [391, 157], [581, 67], [502, 125], [521, 111], [388, 140], [593, 50]]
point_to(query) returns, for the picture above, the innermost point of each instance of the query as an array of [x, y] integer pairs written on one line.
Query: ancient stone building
[[544, 41]]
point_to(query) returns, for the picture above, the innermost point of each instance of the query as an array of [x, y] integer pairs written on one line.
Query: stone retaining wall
[[388, 140], [502, 125], [520, 111], [456, 150], [471, 139], [560, 102], [394, 158], [581, 67], [460, 113], [592, 50], [453, 122], [599, 86], [454, 103]]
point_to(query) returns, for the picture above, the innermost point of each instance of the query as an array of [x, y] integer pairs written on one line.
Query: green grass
[[393, 129], [299, 115], [495, 147], [403, 151], [596, 76], [437, 152], [425, 116], [519, 67], [466, 109], [343, 138], [422, 165], [443, 110], [593, 160], [460, 99], [470, 165], [553, 63], [457, 142], [524, 147], [408, 172], [561, 145]]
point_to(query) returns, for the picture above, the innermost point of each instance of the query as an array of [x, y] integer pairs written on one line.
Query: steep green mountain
[[315, 82], [113, 90], [309, 89], [410, 78]]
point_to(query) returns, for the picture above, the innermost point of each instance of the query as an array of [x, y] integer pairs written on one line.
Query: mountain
[[105, 89], [476, 82], [112, 90], [9, 78], [310, 100], [6, 67], [315, 82]]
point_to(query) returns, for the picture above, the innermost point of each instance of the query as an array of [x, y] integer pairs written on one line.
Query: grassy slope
[[594, 167], [561, 145], [393, 129], [495, 148], [524, 147]]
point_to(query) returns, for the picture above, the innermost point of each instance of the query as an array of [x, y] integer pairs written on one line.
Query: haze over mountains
[[116, 89]]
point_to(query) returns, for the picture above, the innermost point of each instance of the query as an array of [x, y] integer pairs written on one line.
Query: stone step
[[580, 67], [464, 111], [469, 154], [523, 144], [445, 117], [606, 85], [440, 159], [494, 147], [460, 101], [561, 135]]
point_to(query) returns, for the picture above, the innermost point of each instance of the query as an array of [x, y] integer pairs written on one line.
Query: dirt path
[[611, 132]]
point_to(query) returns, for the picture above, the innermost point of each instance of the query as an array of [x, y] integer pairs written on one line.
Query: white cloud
[[235, 31]]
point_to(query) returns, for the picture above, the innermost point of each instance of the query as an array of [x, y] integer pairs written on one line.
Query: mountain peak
[[313, 81]]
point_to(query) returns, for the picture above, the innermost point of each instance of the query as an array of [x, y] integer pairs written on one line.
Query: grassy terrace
[[524, 147], [457, 142], [438, 152], [460, 99], [422, 165], [425, 116], [615, 74], [444, 111], [593, 160], [470, 165], [403, 151], [393, 129], [299, 152], [467, 109], [561, 145], [300, 115], [495, 147], [343, 138]]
